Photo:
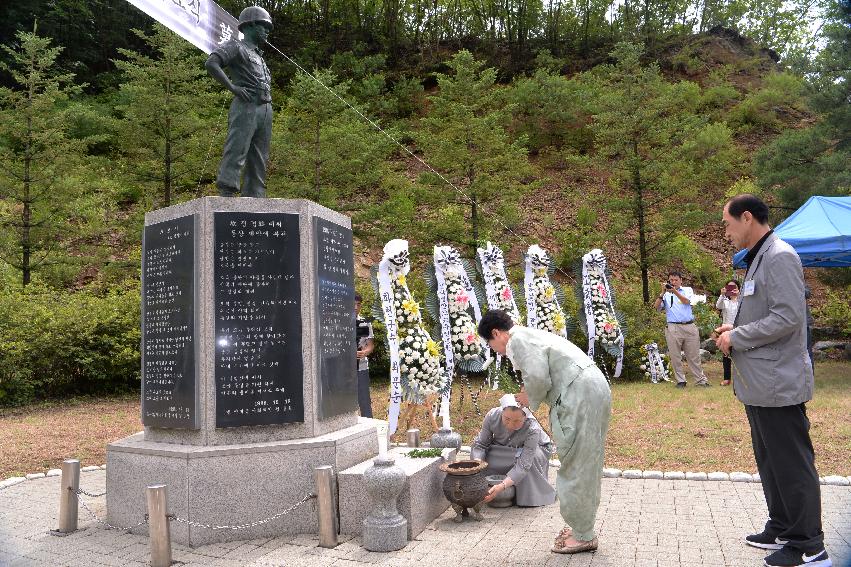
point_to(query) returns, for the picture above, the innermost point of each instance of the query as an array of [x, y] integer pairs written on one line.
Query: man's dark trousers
[[364, 401], [246, 149], [786, 464]]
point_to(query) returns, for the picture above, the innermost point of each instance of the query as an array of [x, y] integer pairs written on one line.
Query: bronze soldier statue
[[250, 118]]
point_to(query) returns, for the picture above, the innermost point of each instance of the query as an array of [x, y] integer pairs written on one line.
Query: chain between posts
[[89, 494], [174, 518], [103, 522]]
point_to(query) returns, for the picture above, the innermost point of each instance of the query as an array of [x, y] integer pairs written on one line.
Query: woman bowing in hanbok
[[558, 373]]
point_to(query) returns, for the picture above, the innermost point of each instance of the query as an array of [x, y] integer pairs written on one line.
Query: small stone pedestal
[[385, 529], [446, 438]]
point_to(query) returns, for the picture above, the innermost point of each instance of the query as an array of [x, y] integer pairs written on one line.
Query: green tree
[[172, 119], [782, 25], [370, 87], [549, 110], [89, 30], [465, 137], [323, 150], [37, 155], [817, 160], [663, 154]]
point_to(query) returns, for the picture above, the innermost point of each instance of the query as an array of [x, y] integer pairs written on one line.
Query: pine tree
[[37, 154], [664, 153], [817, 160], [323, 150], [465, 137], [548, 106], [174, 121]]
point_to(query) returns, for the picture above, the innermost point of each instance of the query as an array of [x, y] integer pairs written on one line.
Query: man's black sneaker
[[681, 384], [765, 540], [788, 557]]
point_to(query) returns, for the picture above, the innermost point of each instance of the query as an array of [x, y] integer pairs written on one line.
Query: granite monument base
[[229, 484], [420, 502]]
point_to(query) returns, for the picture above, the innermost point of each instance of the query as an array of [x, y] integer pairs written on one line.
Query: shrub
[[836, 311], [761, 108], [696, 261], [706, 317], [56, 343]]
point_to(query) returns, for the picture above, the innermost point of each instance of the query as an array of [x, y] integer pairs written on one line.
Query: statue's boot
[[226, 191]]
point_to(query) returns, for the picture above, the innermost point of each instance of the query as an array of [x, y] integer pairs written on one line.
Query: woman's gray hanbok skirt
[[534, 489]]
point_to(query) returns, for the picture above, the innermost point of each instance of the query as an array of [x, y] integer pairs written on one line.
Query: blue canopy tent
[[820, 232]]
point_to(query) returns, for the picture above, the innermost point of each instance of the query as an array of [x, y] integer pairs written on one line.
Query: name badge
[[748, 288]]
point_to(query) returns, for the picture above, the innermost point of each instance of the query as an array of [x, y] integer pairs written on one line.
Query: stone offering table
[[248, 366], [420, 502]]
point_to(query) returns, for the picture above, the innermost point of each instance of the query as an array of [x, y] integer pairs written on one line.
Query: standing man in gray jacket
[[773, 377]]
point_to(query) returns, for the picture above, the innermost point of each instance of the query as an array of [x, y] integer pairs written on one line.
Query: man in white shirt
[[681, 332]]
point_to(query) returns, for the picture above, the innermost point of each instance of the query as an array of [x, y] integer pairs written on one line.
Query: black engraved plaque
[[335, 292], [259, 368], [169, 348]]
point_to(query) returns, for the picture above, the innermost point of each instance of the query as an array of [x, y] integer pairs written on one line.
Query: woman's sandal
[[560, 547]]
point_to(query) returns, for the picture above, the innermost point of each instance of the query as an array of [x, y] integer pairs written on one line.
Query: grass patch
[[39, 437], [653, 426]]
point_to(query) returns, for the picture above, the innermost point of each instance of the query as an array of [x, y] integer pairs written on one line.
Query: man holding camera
[[681, 333]]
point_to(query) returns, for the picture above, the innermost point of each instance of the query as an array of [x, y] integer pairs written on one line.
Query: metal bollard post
[[413, 438], [158, 528], [326, 509], [69, 486]]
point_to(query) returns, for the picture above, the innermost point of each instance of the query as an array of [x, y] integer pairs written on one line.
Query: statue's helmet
[[254, 14]]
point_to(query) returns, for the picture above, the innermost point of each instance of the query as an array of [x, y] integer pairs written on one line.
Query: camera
[[729, 289], [668, 286], [361, 333]]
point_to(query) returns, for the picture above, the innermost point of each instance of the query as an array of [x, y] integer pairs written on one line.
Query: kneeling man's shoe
[[576, 548], [789, 557]]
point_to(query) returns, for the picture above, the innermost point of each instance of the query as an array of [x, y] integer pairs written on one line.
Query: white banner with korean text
[[203, 23]]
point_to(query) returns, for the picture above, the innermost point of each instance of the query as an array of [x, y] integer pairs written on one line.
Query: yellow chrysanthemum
[[549, 292], [432, 348], [558, 321], [411, 306], [540, 271], [400, 280]]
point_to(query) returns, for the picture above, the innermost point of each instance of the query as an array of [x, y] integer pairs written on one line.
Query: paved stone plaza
[[652, 523]]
